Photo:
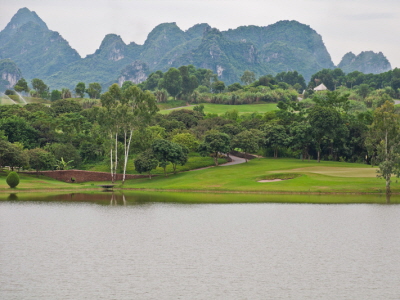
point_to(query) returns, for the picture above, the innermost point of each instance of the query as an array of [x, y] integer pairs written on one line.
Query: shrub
[[12, 179]]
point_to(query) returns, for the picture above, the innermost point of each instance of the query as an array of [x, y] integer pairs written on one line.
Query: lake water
[[99, 247]]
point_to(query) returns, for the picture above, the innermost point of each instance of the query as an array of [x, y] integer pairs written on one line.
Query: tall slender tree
[[384, 142]]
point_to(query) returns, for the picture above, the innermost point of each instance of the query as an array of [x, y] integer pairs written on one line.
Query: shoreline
[[193, 191]]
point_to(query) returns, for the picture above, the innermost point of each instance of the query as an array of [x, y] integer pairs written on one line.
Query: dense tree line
[[354, 121]]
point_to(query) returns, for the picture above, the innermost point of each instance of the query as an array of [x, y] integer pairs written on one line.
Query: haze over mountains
[[41, 53]]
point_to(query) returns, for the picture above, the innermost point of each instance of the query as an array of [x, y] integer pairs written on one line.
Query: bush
[[12, 179]]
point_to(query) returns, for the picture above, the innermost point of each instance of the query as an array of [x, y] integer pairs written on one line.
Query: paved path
[[235, 160], [396, 101]]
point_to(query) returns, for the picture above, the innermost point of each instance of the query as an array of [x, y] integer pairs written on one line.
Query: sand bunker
[[270, 180]]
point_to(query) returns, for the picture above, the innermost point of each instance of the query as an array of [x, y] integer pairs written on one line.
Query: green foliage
[[214, 143], [188, 117], [63, 106], [383, 142], [248, 77], [187, 140], [292, 78], [80, 89], [168, 152], [12, 179], [21, 86], [275, 137], [94, 90], [145, 162], [18, 129], [327, 125], [40, 159], [234, 87], [62, 164], [12, 154], [172, 82], [40, 87], [218, 86], [248, 141], [55, 95], [64, 153]]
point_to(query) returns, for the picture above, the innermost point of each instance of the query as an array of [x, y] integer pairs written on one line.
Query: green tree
[[12, 179], [145, 162], [17, 129], [247, 141], [383, 142], [214, 143], [248, 77], [187, 140], [40, 159], [65, 93], [12, 155], [275, 137], [301, 138], [40, 87], [63, 165], [63, 106], [55, 95], [235, 87], [172, 82], [21, 86], [178, 155], [153, 81], [66, 152], [161, 95], [94, 90], [80, 89], [363, 90], [128, 111], [189, 82], [218, 86], [325, 121]]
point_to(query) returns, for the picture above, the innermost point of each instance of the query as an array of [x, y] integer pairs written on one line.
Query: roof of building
[[321, 87]]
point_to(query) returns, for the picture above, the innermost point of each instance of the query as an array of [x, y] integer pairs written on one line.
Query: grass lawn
[[302, 177], [31, 182], [310, 177], [222, 108], [171, 104]]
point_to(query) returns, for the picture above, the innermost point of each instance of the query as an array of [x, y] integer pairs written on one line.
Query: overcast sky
[[345, 25]]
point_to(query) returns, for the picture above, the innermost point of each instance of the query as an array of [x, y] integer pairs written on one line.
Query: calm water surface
[[147, 250]]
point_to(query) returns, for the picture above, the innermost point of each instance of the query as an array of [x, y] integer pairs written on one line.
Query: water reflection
[[118, 199], [125, 198], [12, 197]]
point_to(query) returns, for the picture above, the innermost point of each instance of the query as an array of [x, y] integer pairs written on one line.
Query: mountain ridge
[[282, 46]]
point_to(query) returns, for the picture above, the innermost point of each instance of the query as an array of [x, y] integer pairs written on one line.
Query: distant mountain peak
[[366, 62], [113, 47], [21, 18]]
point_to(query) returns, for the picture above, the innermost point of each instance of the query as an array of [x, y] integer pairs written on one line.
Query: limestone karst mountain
[[283, 46], [366, 62]]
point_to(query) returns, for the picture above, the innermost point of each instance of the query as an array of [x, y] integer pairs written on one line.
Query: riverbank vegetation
[[355, 123]]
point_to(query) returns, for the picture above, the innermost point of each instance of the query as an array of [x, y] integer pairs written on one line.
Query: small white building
[[321, 87]]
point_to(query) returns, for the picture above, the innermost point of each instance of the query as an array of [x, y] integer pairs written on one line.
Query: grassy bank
[[42, 183], [299, 177], [307, 177]]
